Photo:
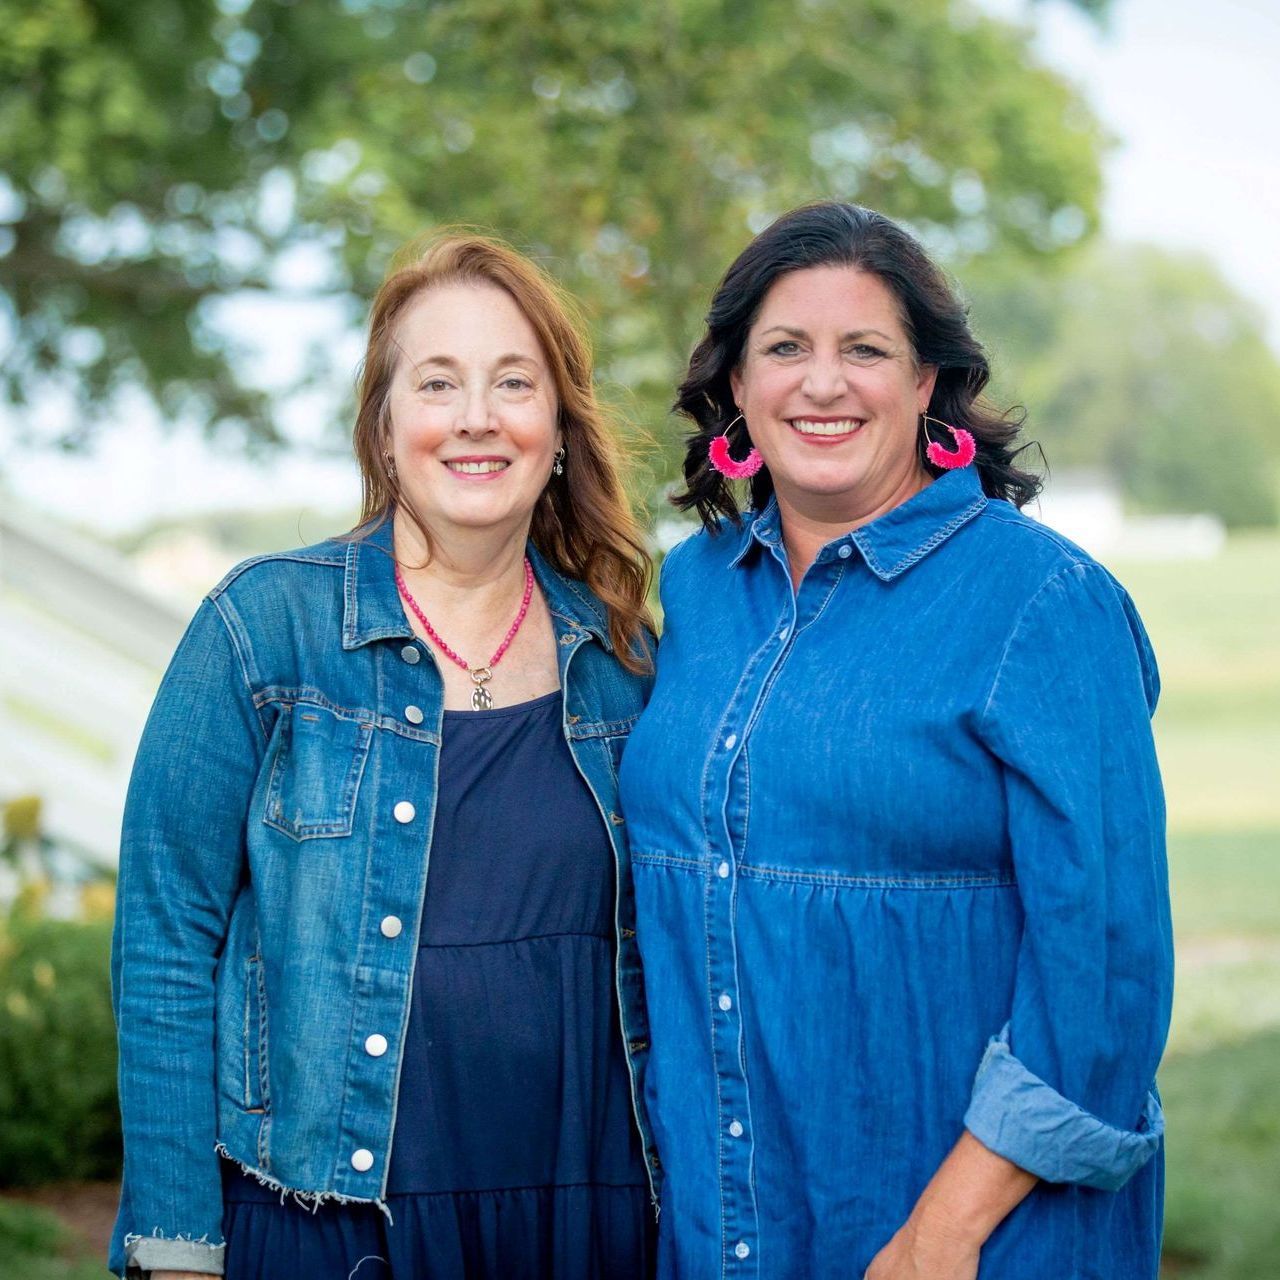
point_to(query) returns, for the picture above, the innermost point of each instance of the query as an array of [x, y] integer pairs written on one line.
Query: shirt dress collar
[[899, 538]]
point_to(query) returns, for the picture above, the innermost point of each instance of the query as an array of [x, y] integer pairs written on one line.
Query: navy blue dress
[[515, 1151]]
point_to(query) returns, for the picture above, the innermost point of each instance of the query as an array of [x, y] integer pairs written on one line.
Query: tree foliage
[[158, 155], [1147, 364]]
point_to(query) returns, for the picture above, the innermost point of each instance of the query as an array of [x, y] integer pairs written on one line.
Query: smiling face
[[473, 410], [831, 394]]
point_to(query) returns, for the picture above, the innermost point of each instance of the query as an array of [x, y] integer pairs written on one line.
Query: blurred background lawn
[[198, 198], [1216, 628]]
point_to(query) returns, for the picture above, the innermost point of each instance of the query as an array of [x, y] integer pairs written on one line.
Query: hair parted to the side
[[582, 522], [834, 233]]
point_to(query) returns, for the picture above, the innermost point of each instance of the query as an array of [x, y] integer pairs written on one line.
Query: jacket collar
[[899, 538], [371, 608]]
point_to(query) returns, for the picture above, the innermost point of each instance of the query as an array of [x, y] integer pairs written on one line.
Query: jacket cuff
[[1017, 1115], [144, 1254]]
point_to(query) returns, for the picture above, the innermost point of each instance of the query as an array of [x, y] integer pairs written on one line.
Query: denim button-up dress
[[898, 844], [275, 854]]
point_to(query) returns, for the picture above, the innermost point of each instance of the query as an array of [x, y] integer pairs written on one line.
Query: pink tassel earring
[[722, 459], [949, 459]]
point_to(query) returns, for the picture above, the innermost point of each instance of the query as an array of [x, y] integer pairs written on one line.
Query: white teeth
[[841, 428], [478, 468]]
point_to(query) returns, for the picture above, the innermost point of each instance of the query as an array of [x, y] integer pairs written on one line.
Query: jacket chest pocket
[[315, 774], [604, 741]]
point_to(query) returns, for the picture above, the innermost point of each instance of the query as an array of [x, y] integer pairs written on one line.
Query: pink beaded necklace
[[481, 699]]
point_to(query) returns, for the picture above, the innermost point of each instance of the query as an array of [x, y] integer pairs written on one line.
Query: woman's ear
[[735, 385], [926, 379]]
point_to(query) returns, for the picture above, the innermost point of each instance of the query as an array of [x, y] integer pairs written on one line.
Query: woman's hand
[[919, 1252], [971, 1194]]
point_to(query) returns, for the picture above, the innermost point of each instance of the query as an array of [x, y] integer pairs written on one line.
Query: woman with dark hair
[[333, 1063], [895, 816]]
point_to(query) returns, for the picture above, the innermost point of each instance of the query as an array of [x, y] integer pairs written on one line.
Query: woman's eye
[[435, 384], [864, 351], [516, 384], [784, 348]]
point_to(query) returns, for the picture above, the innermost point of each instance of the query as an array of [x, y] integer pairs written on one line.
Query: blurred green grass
[[1215, 625], [34, 1245], [1223, 1151]]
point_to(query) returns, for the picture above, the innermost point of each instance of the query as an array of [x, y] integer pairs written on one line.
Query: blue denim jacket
[[274, 859], [898, 844]]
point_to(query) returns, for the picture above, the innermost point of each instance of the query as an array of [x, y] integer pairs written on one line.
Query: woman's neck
[[480, 565], [470, 586], [810, 521]]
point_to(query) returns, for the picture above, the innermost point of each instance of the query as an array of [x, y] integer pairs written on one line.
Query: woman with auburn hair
[[375, 971]]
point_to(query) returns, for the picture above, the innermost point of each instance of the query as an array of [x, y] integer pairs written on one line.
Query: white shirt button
[[413, 715], [404, 811], [845, 552], [410, 654], [391, 926], [725, 1002], [730, 742], [742, 1249], [735, 1128], [362, 1160], [723, 871], [375, 1046]]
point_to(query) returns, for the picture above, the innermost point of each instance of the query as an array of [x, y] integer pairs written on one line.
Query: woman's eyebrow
[[852, 335], [511, 357]]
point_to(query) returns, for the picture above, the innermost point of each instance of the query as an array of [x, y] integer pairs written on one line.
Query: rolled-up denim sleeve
[[181, 865], [1066, 1088]]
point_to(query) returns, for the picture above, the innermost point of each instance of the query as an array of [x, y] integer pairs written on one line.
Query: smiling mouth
[[484, 467], [837, 427]]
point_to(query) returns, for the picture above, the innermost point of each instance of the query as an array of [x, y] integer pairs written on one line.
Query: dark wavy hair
[[834, 233]]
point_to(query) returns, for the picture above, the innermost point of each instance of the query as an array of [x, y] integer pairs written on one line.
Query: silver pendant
[[481, 698]]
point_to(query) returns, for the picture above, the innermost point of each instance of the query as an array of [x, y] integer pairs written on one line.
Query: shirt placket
[[735, 1142]]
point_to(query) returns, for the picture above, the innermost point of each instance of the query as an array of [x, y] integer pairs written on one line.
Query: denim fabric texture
[[275, 854], [898, 843]]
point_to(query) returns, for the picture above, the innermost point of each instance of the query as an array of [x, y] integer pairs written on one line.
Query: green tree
[[159, 155], [1146, 363]]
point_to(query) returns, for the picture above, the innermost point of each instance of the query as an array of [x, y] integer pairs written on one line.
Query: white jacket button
[[362, 1160]]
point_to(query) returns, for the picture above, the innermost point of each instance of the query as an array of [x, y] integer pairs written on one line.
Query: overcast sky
[[1187, 88]]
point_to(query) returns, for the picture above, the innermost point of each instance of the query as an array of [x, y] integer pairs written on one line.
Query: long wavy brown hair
[[582, 523]]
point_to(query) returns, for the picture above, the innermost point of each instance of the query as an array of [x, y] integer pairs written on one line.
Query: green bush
[[58, 1111]]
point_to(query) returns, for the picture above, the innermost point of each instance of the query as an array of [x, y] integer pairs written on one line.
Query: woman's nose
[[477, 413], [825, 380]]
